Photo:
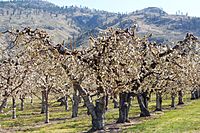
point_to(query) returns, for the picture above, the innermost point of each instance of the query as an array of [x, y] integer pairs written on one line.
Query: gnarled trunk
[[98, 123], [124, 106], [75, 103], [3, 104], [143, 106], [173, 100], [97, 111], [180, 97], [158, 101], [14, 116]]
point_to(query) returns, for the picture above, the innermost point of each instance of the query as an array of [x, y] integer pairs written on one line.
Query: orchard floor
[[184, 118]]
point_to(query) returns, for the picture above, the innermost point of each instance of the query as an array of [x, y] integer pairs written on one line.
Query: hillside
[[75, 23]]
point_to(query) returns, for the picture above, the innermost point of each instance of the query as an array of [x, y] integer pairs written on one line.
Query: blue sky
[[192, 7]]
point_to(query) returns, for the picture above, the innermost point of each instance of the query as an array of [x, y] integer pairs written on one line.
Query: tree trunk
[[6, 103], [14, 108], [46, 107], [144, 111], [196, 94], [43, 103], [107, 100], [62, 101], [3, 104], [75, 103], [173, 100], [98, 123], [66, 103], [124, 106], [97, 112], [31, 97], [22, 104], [198, 91], [86, 98], [193, 97], [180, 97], [158, 101], [145, 99], [116, 104]]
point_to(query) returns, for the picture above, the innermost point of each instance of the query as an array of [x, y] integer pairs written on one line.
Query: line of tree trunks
[[143, 104], [125, 99], [158, 101]]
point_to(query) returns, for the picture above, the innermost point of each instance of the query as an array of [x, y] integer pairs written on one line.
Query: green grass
[[186, 119], [30, 120]]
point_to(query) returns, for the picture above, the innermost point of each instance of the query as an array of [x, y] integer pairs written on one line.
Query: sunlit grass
[[180, 120], [30, 120]]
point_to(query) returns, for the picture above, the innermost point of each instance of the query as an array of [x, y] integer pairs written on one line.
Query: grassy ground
[[30, 120], [182, 119]]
